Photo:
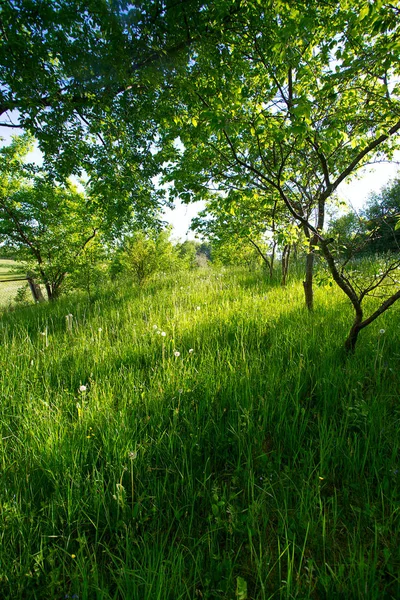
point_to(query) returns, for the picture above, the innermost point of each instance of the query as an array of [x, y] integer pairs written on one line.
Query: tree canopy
[[242, 97], [48, 227]]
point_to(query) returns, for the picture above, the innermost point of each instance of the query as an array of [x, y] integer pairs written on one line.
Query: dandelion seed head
[[82, 388], [191, 350], [163, 334], [176, 353], [382, 331]]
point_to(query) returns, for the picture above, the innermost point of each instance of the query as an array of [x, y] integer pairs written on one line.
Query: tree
[[374, 230], [84, 77], [251, 220], [381, 216], [187, 252], [348, 232], [283, 97], [48, 227], [292, 99], [143, 254]]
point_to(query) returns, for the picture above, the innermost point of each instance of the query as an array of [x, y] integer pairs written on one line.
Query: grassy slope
[[263, 458], [9, 269]]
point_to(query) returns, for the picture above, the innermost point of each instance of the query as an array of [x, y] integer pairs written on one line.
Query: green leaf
[[241, 588], [364, 12]]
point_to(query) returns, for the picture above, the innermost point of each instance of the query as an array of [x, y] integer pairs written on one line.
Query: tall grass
[[258, 463]]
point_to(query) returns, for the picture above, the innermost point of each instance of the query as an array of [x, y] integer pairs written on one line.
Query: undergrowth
[[203, 437]]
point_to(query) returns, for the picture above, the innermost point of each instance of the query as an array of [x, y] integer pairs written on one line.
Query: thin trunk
[[35, 290], [57, 284], [351, 341], [271, 264], [309, 274], [268, 263], [49, 290], [345, 285], [285, 263], [308, 281]]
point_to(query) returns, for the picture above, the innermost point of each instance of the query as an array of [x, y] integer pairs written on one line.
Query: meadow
[[9, 270], [202, 437]]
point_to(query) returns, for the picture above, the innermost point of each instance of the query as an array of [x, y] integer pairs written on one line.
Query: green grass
[[9, 269], [264, 459]]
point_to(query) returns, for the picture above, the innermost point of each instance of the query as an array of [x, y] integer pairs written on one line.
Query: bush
[[143, 254]]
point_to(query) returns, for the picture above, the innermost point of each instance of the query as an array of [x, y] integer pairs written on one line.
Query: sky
[[355, 193], [371, 179]]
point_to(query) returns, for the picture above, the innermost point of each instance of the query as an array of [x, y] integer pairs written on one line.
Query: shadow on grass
[[239, 460]]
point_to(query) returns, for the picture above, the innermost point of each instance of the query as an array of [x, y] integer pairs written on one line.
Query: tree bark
[[35, 290], [271, 264], [308, 281], [285, 263], [351, 341]]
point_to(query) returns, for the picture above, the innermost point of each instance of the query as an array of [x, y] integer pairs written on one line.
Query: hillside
[[204, 437]]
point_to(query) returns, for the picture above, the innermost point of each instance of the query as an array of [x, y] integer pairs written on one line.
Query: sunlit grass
[[10, 269], [259, 453]]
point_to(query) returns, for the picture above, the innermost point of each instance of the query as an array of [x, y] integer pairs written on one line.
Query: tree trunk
[[56, 286], [348, 289], [49, 291], [351, 341], [35, 290], [285, 263], [308, 282], [271, 263]]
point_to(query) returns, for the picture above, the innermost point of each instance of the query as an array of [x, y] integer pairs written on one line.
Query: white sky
[[371, 179]]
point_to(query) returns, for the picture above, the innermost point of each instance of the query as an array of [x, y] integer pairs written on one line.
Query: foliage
[[382, 214], [145, 253], [45, 225], [246, 225], [374, 230], [187, 252], [89, 271], [281, 103], [235, 252], [348, 233], [236, 96], [84, 77]]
